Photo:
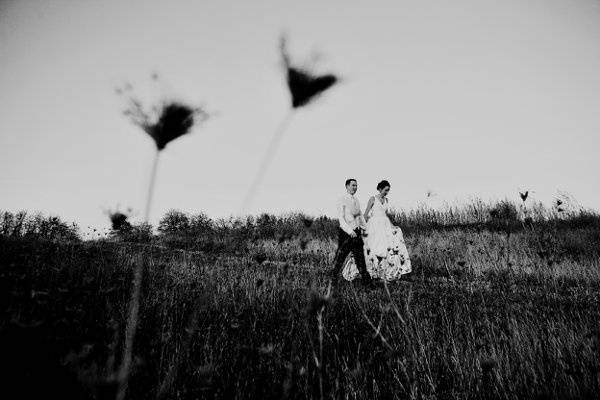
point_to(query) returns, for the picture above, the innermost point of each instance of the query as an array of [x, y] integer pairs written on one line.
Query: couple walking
[[382, 254]]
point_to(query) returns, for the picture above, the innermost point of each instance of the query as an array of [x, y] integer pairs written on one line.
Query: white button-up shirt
[[349, 213]]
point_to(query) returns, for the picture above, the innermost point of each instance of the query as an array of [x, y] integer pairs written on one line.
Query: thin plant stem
[[134, 304], [132, 320], [151, 186], [320, 325], [266, 160]]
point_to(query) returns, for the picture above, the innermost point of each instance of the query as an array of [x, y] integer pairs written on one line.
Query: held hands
[[358, 231]]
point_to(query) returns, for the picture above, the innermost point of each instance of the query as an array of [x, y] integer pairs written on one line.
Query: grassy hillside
[[492, 310]]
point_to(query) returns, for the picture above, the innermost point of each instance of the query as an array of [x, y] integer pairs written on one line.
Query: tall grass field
[[503, 303]]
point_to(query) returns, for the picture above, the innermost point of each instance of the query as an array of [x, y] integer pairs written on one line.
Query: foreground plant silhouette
[[304, 87], [166, 122]]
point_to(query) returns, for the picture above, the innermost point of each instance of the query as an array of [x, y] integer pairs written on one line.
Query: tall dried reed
[[164, 123], [304, 87]]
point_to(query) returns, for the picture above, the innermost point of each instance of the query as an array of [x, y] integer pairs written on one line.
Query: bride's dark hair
[[383, 184]]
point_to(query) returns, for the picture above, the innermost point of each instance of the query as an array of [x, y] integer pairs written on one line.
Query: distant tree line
[[198, 231], [24, 225]]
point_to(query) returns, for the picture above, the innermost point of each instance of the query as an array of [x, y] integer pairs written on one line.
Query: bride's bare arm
[[369, 205]]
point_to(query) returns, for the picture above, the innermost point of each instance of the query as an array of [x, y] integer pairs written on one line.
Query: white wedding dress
[[386, 254], [379, 230]]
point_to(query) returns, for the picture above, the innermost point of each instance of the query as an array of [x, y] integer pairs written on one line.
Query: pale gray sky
[[465, 98]]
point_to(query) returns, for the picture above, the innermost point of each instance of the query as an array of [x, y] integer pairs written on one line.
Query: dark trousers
[[347, 244]]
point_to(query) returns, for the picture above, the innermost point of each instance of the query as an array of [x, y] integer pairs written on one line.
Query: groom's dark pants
[[347, 244]]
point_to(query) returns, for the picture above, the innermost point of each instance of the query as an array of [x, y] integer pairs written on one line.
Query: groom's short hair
[[348, 181]]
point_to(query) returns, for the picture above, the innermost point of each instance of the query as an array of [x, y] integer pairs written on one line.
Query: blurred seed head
[[524, 195], [175, 120], [304, 85], [166, 121], [119, 222]]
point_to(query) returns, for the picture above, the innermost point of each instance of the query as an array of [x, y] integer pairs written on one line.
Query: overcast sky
[[465, 98]]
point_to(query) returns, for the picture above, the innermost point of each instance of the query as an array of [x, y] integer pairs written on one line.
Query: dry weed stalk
[[304, 87], [166, 122]]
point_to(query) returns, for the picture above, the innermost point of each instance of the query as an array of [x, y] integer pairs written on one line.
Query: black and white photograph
[[300, 199]]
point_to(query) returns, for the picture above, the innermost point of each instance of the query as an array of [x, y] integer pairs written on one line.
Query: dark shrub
[[174, 221]]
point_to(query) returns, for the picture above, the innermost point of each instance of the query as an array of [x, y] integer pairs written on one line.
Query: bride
[[386, 253], [385, 243]]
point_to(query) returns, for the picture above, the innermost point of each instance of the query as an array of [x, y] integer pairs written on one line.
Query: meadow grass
[[485, 314]]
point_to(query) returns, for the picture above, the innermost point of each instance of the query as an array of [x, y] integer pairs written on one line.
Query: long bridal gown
[[379, 230]]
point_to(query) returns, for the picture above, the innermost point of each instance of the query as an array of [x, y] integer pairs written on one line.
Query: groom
[[350, 238]]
